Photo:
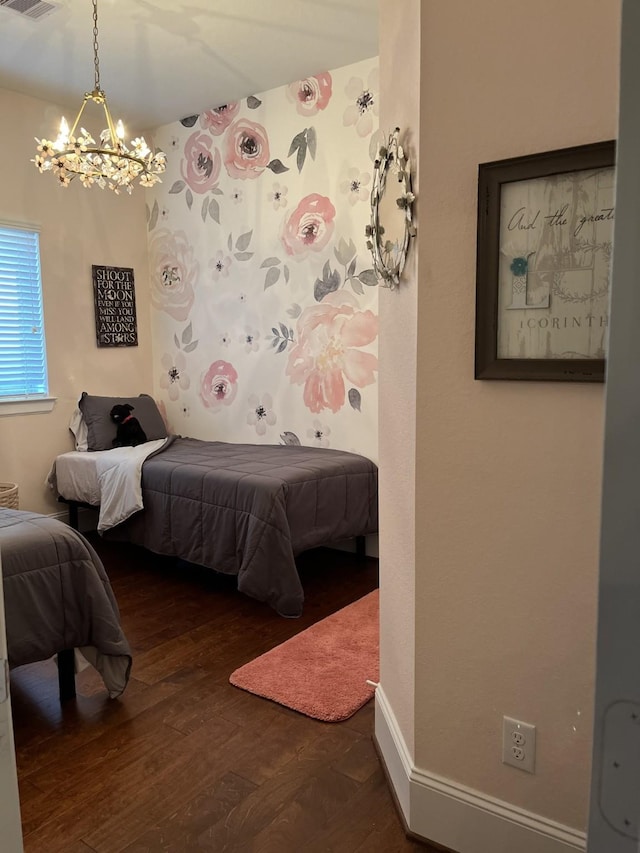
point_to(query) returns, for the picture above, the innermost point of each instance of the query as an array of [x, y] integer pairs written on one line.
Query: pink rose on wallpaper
[[326, 352], [219, 119], [309, 227], [364, 103], [311, 94], [218, 385], [200, 166], [245, 149], [174, 271]]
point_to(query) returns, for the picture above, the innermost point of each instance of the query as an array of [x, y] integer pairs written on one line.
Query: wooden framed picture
[[545, 239]]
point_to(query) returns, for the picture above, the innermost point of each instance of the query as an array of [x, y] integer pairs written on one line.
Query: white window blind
[[23, 362]]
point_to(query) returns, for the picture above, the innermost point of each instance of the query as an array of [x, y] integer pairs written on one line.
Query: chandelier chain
[[96, 61]]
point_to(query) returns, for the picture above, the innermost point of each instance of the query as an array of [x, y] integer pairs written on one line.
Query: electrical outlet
[[519, 744]]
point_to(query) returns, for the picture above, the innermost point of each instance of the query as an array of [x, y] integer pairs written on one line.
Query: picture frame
[[114, 299], [543, 274]]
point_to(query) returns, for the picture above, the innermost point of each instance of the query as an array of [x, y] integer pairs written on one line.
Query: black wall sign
[[115, 301]]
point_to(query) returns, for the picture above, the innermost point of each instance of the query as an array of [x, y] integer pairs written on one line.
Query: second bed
[[241, 509]]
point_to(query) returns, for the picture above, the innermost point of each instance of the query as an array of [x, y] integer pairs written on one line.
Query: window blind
[[23, 363]]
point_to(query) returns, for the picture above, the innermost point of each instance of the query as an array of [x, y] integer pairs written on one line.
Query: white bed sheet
[[77, 477], [110, 479]]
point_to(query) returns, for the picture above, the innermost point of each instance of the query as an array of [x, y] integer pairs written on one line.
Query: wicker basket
[[9, 495]]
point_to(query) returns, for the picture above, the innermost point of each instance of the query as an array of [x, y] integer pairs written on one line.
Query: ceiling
[[161, 60]]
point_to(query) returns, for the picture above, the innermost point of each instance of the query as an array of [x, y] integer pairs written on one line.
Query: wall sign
[[115, 302], [545, 239]]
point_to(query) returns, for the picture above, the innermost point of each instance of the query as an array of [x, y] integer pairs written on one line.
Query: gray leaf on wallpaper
[[205, 209], [326, 285], [214, 211], [190, 347], [243, 241], [285, 331], [176, 341], [187, 334], [355, 284], [243, 256], [344, 252], [286, 273], [298, 140], [153, 219], [189, 197], [189, 121], [253, 103], [294, 311], [290, 438], [177, 187], [277, 167], [352, 267], [369, 278], [302, 156], [355, 399], [270, 262], [230, 242], [273, 274], [312, 141], [217, 191], [283, 346]]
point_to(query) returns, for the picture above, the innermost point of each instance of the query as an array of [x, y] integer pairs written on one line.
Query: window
[[23, 358]]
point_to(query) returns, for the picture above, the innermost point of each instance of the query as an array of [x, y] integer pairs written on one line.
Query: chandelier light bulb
[[110, 162]]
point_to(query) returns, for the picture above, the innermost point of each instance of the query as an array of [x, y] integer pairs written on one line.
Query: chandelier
[[110, 162]]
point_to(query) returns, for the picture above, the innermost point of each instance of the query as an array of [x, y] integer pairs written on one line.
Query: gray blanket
[[247, 509], [57, 596]]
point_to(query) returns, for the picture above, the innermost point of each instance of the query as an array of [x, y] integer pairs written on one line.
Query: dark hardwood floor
[[183, 761]]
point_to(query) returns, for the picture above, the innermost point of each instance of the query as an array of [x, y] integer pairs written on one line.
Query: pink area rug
[[321, 672]]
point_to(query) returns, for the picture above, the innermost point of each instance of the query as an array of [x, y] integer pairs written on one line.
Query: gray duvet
[[57, 596], [248, 510]]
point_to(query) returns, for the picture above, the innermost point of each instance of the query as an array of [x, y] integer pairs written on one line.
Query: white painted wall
[[79, 227], [507, 474]]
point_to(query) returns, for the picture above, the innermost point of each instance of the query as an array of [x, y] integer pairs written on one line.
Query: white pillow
[[78, 427]]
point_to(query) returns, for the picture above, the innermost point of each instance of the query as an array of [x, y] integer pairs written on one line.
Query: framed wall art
[[115, 306], [545, 239]]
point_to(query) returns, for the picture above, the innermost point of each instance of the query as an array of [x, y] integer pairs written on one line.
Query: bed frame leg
[[66, 675], [361, 547], [73, 515]]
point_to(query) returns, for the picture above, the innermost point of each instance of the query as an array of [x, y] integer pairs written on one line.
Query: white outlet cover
[[519, 744]]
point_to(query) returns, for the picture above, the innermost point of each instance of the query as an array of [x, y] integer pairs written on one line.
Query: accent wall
[[264, 303]]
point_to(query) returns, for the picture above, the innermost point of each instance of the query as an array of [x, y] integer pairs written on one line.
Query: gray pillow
[[101, 430]]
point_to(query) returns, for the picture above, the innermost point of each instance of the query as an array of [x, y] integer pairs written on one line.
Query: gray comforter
[[57, 596], [247, 509]]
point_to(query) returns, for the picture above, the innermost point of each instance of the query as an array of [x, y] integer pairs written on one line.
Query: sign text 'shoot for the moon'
[[115, 301]]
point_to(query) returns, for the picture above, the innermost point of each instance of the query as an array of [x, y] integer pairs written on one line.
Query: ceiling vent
[[34, 9]]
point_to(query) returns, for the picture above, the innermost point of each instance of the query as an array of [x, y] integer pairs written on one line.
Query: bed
[[58, 598], [241, 509]]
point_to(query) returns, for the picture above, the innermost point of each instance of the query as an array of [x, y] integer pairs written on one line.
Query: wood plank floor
[[183, 761]]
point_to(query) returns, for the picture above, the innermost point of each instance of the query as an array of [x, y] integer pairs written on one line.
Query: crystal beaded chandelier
[[111, 162]]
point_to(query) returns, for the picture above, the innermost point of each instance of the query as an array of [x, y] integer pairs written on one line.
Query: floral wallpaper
[[265, 321]]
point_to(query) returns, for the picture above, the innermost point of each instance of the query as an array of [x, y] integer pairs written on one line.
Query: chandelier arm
[[110, 125], [87, 97]]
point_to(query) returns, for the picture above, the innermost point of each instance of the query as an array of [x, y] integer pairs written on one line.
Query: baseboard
[[459, 818], [87, 518]]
